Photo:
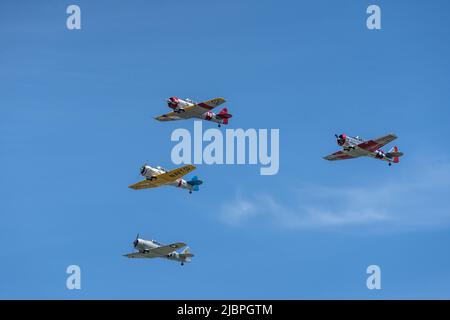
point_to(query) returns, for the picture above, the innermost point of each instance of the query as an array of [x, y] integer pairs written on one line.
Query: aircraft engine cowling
[[146, 172], [173, 102], [341, 139]]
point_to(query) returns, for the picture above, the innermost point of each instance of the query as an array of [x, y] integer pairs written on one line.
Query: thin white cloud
[[417, 200], [243, 210]]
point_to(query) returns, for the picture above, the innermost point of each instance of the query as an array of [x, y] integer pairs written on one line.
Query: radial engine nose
[[136, 241], [341, 139], [172, 102]]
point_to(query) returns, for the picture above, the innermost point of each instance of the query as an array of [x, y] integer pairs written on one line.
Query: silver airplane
[[153, 249]]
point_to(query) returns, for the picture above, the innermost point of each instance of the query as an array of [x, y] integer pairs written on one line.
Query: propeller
[[143, 168], [341, 139], [135, 242]]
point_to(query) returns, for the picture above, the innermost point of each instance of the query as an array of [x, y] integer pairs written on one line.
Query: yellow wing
[[146, 184], [164, 178], [192, 111]]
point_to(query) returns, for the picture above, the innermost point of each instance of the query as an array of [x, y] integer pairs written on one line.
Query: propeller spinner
[[136, 241], [341, 139]]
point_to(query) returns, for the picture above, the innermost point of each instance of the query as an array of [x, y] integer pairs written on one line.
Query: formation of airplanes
[[351, 147]]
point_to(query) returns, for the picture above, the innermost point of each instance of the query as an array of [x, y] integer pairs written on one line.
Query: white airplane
[[186, 109], [156, 177], [153, 249], [355, 147]]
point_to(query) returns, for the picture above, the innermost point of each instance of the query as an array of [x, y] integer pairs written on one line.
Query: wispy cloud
[[242, 210], [416, 200]]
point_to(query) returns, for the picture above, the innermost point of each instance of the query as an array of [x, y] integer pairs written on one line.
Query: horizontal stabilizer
[[186, 253], [223, 114], [394, 153], [195, 182]]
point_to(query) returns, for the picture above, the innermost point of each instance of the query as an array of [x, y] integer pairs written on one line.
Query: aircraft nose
[[143, 169], [136, 241], [341, 139], [173, 100]]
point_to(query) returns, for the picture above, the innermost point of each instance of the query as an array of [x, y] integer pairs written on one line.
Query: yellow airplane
[[156, 177]]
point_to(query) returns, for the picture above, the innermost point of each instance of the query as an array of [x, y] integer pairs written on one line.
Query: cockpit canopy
[[157, 243]]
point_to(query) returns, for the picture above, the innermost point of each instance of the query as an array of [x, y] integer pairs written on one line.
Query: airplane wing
[[141, 255], [163, 178], [373, 145], [157, 252], [171, 116], [147, 184], [340, 155], [165, 250], [192, 111]]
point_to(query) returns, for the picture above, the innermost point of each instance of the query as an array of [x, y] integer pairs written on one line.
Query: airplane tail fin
[[195, 182], [224, 115], [186, 254], [394, 154]]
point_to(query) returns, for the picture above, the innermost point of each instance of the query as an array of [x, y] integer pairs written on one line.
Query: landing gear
[[190, 191], [390, 164], [182, 263], [219, 125], [180, 111], [152, 178]]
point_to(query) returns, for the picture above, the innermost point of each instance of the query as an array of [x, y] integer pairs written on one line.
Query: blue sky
[[76, 123]]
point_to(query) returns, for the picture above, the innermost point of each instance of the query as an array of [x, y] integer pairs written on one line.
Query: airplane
[[156, 177], [186, 109], [355, 147], [153, 249]]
